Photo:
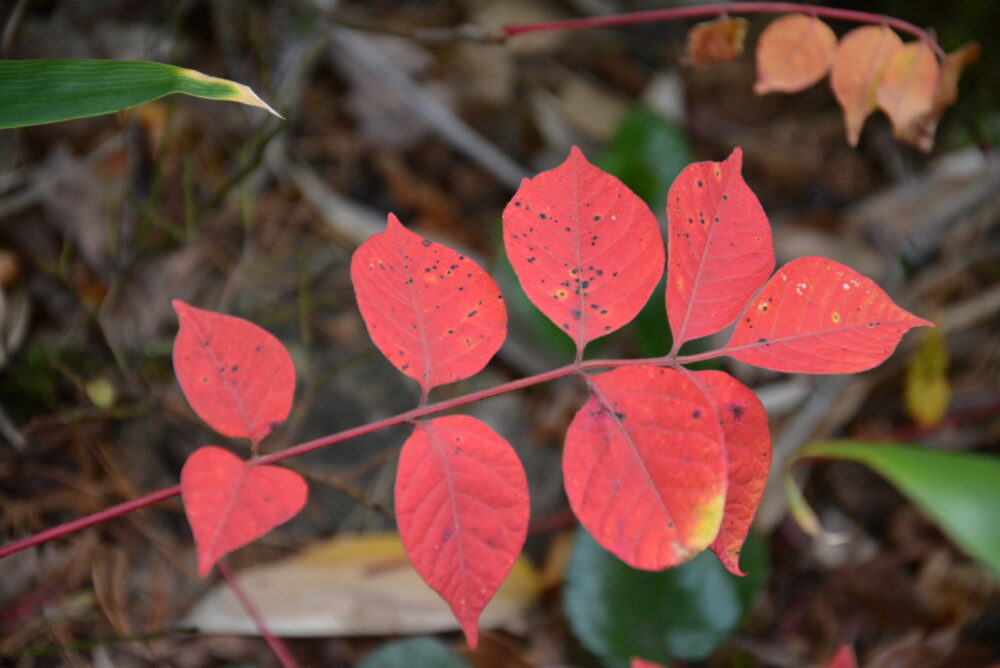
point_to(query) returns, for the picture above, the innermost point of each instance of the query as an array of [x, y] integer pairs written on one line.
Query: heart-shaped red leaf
[[748, 449], [818, 316], [462, 510], [645, 467], [720, 247], [230, 502], [586, 249], [237, 377], [434, 313]]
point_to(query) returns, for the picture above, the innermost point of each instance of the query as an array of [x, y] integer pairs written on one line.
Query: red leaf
[[645, 467], [586, 249], [462, 511], [748, 448], [643, 663], [720, 247], [230, 502], [237, 377], [844, 658], [435, 314], [818, 316]]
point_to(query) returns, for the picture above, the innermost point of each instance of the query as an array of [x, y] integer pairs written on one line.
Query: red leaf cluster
[[659, 464]]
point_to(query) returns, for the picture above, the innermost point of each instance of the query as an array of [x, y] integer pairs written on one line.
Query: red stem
[[347, 434], [275, 643], [718, 9]]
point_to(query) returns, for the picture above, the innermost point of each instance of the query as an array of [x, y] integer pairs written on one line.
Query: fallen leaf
[[718, 41], [793, 53], [927, 387], [861, 58], [352, 585]]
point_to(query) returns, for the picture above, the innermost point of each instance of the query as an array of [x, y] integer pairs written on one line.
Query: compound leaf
[[230, 502], [585, 248], [720, 247], [857, 69], [434, 313], [645, 468], [237, 377], [793, 53], [906, 90], [819, 316], [462, 510], [748, 448]]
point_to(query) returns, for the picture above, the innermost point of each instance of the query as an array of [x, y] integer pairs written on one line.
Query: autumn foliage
[[660, 463], [870, 68]]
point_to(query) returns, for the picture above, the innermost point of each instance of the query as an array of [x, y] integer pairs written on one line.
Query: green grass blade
[[960, 491], [33, 92]]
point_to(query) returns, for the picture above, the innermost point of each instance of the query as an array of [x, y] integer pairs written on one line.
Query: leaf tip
[[392, 222]]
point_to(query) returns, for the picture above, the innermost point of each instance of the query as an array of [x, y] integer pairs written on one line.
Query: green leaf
[[959, 491], [647, 153], [33, 92], [618, 612], [413, 652]]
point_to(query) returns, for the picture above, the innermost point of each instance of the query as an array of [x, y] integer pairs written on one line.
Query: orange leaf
[[906, 91], [717, 41], [858, 65], [920, 132], [793, 53]]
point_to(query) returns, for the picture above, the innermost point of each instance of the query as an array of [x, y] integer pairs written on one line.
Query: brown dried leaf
[[717, 41], [906, 91], [920, 131], [793, 53], [858, 66]]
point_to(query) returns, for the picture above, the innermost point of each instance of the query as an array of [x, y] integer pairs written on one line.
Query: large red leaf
[[818, 316], [462, 510], [587, 250], [645, 467], [434, 313], [748, 448], [230, 502], [720, 247], [237, 377], [844, 658]]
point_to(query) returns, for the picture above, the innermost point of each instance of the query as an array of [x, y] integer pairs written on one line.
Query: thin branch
[[346, 435], [275, 643], [727, 8]]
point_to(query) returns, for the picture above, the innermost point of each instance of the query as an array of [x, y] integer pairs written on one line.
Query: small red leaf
[[748, 448], [237, 377], [645, 467], [818, 316], [844, 658], [587, 250], [462, 510], [720, 247], [434, 313], [230, 502]]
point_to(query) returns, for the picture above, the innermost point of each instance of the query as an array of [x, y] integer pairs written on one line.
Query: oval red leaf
[[748, 449], [720, 248], [645, 467], [237, 377], [587, 251], [462, 510], [819, 316], [434, 313], [230, 502]]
